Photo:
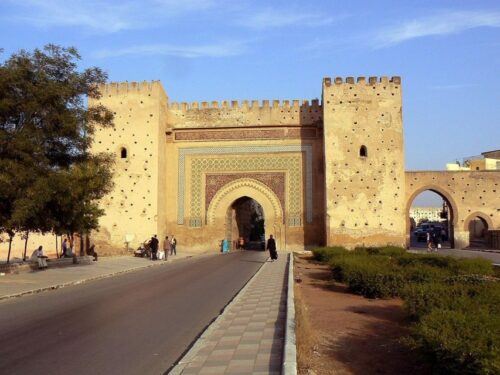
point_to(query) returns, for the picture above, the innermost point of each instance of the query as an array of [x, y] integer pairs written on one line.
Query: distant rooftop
[[495, 154]]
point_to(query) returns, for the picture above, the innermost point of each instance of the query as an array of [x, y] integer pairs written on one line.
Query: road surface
[[136, 323]]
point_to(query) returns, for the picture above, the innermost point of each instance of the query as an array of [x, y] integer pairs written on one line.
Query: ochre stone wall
[[469, 193], [364, 162], [136, 205], [235, 114], [189, 156]]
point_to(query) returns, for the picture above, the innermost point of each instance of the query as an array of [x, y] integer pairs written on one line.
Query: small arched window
[[123, 153], [363, 152]]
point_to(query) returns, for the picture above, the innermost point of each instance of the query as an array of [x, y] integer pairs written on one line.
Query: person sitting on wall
[[42, 259]]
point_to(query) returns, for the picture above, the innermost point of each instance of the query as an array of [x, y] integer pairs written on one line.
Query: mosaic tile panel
[[184, 152], [274, 181], [290, 163]]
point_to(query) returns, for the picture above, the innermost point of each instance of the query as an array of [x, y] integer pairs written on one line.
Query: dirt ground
[[342, 333]]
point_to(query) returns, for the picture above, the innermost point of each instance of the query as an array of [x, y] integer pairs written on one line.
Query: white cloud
[[225, 49], [103, 16], [276, 18], [439, 24]]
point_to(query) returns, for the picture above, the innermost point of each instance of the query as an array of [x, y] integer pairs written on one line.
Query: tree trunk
[[87, 244], [10, 246], [25, 246], [57, 250], [81, 245]]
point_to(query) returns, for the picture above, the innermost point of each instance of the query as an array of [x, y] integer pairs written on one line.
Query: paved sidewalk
[[248, 338], [13, 285]]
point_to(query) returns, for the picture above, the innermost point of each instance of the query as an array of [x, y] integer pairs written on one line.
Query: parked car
[[420, 234]]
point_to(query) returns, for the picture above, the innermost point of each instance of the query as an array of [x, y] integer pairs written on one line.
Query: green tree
[[46, 130]]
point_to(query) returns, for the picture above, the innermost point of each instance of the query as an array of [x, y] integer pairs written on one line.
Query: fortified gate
[[316, 172]]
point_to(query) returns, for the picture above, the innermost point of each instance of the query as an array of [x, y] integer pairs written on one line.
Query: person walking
[[154, 247], [271, 246], [173, 246], [65, 247], [167, 247], [429, 241]]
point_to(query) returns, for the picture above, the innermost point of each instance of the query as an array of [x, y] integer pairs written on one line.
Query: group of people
[[169, 247], [435, 239], [67, 252]]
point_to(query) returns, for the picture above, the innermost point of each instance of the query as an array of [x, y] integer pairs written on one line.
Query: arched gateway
[[226, 196]]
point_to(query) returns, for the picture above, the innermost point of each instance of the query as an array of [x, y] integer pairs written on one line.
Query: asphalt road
[[136, 323]]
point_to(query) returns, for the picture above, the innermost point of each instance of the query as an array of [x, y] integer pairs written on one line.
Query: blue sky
[[447, 52]]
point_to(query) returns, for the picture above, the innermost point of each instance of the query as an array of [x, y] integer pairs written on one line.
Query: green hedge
[[454, 303], [421, 299], [384, 250], [324, 254], [459, 342]]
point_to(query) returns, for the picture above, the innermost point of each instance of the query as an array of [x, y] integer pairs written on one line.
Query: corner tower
[[134, 209], [364, 162]]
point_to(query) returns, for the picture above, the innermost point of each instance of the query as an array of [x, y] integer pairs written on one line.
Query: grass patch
[[454, 303]]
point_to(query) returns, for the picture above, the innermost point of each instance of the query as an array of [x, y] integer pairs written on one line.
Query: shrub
[[383, 250], [459, 342], [430, 260], [453, 265], [422, 273], [372, 277], [324, 254], [474, 266], [421, 299]]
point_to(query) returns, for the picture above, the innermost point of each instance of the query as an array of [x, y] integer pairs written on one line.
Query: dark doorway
[[478, 228], [245, 224]]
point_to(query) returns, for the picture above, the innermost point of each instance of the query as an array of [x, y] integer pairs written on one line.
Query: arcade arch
[[478, 224], [447, 218]]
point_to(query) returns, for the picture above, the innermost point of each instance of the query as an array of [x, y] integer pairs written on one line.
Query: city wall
[[326, 172]]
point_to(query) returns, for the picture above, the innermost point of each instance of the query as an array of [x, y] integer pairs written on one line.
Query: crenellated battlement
[[248, 105], [124, 88], [384, 80], [245, 113]]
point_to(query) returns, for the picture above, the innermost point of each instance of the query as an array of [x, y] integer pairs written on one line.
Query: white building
[[426, 214]]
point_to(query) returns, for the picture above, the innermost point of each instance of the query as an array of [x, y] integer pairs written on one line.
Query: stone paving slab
[[14, 285], [248, 338]]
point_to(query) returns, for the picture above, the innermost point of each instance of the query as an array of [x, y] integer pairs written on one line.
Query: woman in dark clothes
[[271, 246]]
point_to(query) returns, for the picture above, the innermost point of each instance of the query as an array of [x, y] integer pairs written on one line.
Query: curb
[[290, 350], [198, 344], [77, 282]]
